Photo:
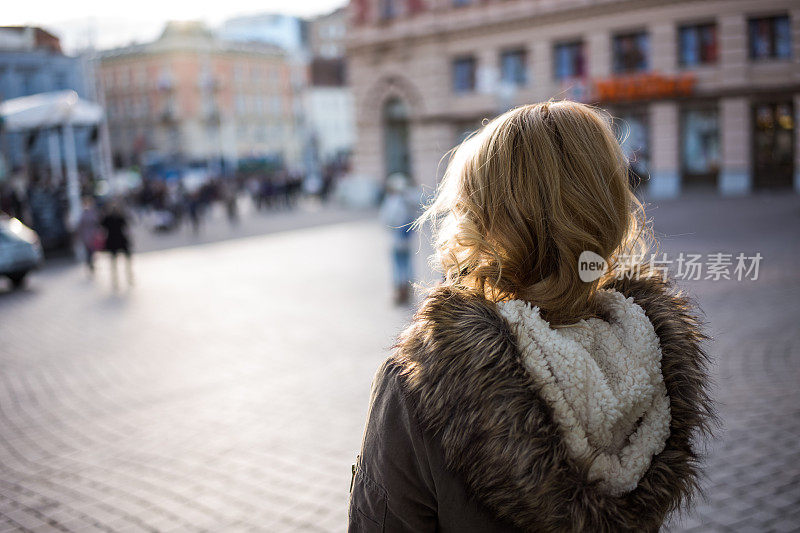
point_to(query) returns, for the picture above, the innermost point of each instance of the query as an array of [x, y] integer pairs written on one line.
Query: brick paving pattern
[[227, 390]]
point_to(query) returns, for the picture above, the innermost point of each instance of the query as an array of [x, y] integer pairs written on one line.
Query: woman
[[522, 398], [89, 232], [115, 223]]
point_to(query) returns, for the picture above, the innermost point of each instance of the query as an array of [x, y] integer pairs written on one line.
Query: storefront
[[773, 143], [700, 147], [630, 98]]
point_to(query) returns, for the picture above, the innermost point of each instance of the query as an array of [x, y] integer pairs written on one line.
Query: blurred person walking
[[398, 211], [89, 232], [230, 194], [536, 389], [195, 210], [118, 242]]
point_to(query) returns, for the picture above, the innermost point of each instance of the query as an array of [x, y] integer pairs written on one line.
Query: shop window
[[698, 45], [464, 74], [631, 52], [568, 59], [700, 145], [770, 38], [512, 67], [773, 144]]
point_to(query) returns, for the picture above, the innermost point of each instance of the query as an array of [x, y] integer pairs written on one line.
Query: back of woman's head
[[522, 199]]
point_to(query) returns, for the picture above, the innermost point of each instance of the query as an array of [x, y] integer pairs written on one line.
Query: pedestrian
[[89, 232], [195, 211], [118, 242], [231, 199], [531, 392], [398, 211]]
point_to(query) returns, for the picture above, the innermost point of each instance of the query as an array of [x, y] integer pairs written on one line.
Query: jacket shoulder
[[450, 326]]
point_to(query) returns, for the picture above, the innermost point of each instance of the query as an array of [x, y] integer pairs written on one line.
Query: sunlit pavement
[[227, 390]]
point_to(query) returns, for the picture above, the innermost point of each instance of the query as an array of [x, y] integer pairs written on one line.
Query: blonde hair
[[524, 196]]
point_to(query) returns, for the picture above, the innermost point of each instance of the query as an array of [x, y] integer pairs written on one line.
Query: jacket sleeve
[[392, 487]]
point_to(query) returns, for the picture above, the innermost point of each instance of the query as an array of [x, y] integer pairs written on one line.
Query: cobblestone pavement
[[227, 390]]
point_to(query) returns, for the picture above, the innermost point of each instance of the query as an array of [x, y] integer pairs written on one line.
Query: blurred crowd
[[164, 205]]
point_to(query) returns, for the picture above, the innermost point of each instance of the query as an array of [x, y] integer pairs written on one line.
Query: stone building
[[189, 98], [706, 92]]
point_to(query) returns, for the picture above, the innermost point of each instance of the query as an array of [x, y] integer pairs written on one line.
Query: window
[[512, 67], [770, 38], [700, 143], [124, 77], [60, 81], [698, 45], [631, 52], [388, 9], [464, 74], [773, 143], [568, 60], [28, 81]]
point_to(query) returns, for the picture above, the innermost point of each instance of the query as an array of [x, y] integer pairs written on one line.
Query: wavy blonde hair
[[524, 196]]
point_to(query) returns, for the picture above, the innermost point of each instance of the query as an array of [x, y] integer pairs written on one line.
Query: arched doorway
[[396, 152]]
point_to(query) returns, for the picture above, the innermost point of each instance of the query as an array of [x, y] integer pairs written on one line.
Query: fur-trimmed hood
[[470, 368]]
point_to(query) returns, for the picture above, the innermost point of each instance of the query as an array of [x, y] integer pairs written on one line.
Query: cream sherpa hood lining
[[603, 381]]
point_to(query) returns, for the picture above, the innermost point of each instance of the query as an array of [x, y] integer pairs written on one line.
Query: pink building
[[190, 98]]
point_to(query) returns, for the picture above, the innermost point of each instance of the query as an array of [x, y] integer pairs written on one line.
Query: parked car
[[20, 251]]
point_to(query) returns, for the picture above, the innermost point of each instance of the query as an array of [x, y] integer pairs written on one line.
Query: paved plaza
[[227, 389]]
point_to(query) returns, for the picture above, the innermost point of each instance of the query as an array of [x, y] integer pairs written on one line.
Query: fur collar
[[465, 372]]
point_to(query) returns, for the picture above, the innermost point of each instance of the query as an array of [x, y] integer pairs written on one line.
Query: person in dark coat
[[537, 388], [115, 223]]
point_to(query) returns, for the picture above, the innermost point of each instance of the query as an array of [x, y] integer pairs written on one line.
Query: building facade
[[190, 98], [329, 99], [327, 34], [706, 93], [289, 33]]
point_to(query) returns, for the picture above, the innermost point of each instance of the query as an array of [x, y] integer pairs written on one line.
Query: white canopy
[[58, 108], [49, 109]]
